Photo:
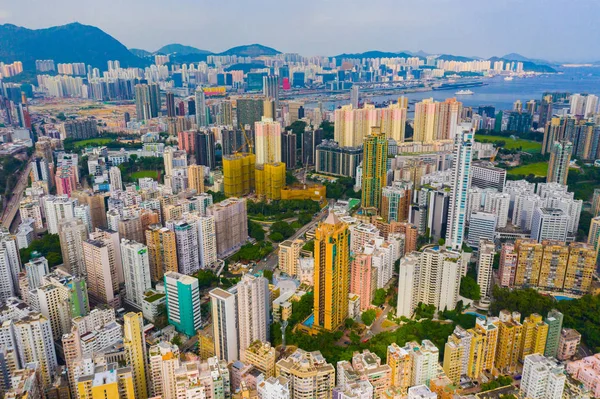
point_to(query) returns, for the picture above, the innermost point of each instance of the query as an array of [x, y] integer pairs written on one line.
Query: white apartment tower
[[253, 300], [136, 268]]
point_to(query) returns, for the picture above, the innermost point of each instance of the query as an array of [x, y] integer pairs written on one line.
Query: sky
[[557, 30]]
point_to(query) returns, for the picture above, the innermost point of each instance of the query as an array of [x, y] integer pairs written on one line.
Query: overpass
[[10, 212]]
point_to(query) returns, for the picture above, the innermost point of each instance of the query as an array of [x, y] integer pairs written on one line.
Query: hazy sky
[[550, 29]]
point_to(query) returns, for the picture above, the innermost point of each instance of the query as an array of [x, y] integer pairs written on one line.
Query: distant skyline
[[554, 30]]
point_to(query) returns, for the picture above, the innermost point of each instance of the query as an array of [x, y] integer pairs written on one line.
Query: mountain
[[251, 50], [521, 58], [138, 52], [181, 49], [450, 57], [375, 54], [67, 43]]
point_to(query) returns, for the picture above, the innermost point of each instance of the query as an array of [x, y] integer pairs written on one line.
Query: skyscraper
[[288, 150], [554, 321], [268, 141], [374, 169], [460, 183], [99, 257], [162, 249], [225, 326], [147, 101], [202, 114], [136, 269], [183, 303], [231, 225], [188, 255], [271, 88], [116, 182], [354, 99], [196, 178], [249, 111], [170, 102], [560, 157], [253, 310], [134, 342], [542, 378], [332, 251], [487, 251], [205, 149]]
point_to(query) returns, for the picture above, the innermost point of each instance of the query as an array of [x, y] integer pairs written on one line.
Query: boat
[[464, 93], [508, 78]]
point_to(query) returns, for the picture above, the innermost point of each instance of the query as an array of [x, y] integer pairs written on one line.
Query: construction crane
[[247, 142]]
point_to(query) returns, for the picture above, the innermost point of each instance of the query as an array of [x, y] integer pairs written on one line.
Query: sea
[[501, 93]]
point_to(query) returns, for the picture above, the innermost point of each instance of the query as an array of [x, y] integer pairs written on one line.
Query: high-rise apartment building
[[231, 225], [205, 149], [288, 150], [267, 135], [196, 178], [549, 224], [542, 378], [225, 324], [332, 251], [183, 302], [289, 254], [430, 277], [309, 375], [10, 265], [33, 335], [131, 228], [375, 148], [560, 158], [164, 359], [162, 251], [535, 334], [400, 362], [136, 268], [202, 111], [134, 342], [239, 174], [554, 321], [147, 101], [510, 338], [436, 120], [487, 251], [188, 255], [249, 111], [363, 279], [253, 306], [99, 256], [262, 356], [460, 183], [58, 208], [395, 201]]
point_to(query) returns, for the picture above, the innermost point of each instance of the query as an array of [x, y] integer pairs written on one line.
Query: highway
[[13, 205], [270, 262]]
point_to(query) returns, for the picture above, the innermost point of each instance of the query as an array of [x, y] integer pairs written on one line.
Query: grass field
[[92, 142], [526, 145], [538, 169], [145, 173]]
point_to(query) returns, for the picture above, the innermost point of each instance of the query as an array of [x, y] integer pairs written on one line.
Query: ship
[[464, 93], [508, 78]]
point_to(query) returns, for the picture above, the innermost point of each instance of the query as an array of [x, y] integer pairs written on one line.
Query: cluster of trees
[[282, 209], [48, 246], [217, 196], [501, 381], [253, 252], [582, 314], [70, 144], [469, 288], [255, 230], [368, 317], [280, 231], [379, 297], [328, 130], [343, 187], [206, 279]]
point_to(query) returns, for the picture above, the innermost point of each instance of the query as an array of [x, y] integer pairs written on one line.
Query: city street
[[13, 205]]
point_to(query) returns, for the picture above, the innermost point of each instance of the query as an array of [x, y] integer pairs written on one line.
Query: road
[[270, 262], [13, 205]]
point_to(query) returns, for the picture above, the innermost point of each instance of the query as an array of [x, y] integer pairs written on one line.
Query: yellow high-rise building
[[196, 178], [476, 358], [107, 382], [510, 335], [289, 254], [238, 174], [554, 265], [529, 259], [375, 149], [400, 362], [535, 334], [162, 251], [134, 343], [488, 329], [332, 271], [270, 179], [453, 355], [580, 268]]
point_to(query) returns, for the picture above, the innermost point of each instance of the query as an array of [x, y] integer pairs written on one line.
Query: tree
[[290, 179], [327, 130], [469, 288], [368, 317], [277, 237], [349, 323], [268, 274], [255, 230], [48, 246], [217, 196], [380, 296], [206, 278], [282, 228], [176, 340], [309, 246]]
